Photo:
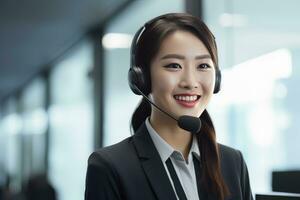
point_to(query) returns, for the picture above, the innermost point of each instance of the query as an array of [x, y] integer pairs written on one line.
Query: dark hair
[[147, 47], [38, 187]]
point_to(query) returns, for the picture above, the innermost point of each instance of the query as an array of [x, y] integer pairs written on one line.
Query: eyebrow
[[182, 57]]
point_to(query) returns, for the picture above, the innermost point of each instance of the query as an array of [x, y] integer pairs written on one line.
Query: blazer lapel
[[152, 164]]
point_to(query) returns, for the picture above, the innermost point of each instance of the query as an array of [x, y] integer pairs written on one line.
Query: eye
[[173, 66], [204, 66]]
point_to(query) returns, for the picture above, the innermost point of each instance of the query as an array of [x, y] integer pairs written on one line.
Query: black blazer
[[133, 170]]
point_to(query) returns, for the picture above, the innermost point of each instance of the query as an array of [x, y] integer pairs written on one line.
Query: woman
[[174, 63]]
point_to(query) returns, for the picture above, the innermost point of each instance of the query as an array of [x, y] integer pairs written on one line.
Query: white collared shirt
[[184, 169]]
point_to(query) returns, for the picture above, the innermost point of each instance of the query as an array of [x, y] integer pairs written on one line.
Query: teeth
[[186, 98]]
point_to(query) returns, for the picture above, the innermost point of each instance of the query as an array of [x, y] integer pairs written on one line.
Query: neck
[[168, 129]]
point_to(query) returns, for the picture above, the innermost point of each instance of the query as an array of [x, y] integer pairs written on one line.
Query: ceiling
[[34, 33]]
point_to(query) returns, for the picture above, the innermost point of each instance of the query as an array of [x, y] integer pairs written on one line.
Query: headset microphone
[[186, 122]]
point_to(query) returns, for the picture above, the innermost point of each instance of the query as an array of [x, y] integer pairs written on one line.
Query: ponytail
[[140, 114], [210, 159]]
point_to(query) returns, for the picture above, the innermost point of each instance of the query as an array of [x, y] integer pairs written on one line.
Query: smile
[[188, 101]]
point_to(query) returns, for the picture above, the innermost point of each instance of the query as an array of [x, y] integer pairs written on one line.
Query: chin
[[193, 114]]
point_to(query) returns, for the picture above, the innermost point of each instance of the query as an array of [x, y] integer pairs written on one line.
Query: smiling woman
[[174, 62], [182, 75]]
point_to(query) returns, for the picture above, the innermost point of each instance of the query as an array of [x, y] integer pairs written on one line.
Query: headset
[[136, 77]]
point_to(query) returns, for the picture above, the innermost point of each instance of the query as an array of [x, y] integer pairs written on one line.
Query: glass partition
[[10, 142], [71, 121], [34, 118], [257, 109]]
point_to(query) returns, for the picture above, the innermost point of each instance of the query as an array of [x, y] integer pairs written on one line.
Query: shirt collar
[[195, 148], [165, 150]]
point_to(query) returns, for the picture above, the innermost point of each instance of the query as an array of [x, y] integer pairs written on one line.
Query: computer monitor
[[277, 196], [286, 181]]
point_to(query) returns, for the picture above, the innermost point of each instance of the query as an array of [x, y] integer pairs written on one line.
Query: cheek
[[163, 84], [208, 82]]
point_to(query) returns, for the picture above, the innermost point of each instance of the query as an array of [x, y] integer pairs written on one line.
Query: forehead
[[182, 42]]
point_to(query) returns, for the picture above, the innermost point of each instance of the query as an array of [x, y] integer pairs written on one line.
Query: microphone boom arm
[[149, 101]]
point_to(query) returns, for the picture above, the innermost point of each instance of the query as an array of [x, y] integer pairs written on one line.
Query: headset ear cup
[[218, 81], [136, 80]]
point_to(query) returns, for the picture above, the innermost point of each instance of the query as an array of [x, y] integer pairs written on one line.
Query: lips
[[187, 100]]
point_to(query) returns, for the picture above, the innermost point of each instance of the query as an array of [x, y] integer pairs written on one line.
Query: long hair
[[146, 49]]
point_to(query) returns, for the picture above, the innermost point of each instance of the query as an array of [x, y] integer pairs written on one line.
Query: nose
[[189, 80]]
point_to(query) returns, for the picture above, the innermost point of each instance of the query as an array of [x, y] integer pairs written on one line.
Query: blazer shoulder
[[232, 160], [112, 153], [228, 150], [103, 173], [230, 154], [234, 170]]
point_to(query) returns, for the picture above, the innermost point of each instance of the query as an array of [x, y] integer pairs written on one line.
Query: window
[[71, 121], [257, 107], [34, 127], [10, 140]]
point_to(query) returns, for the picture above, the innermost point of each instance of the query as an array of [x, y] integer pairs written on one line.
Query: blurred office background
[[64, 91]]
